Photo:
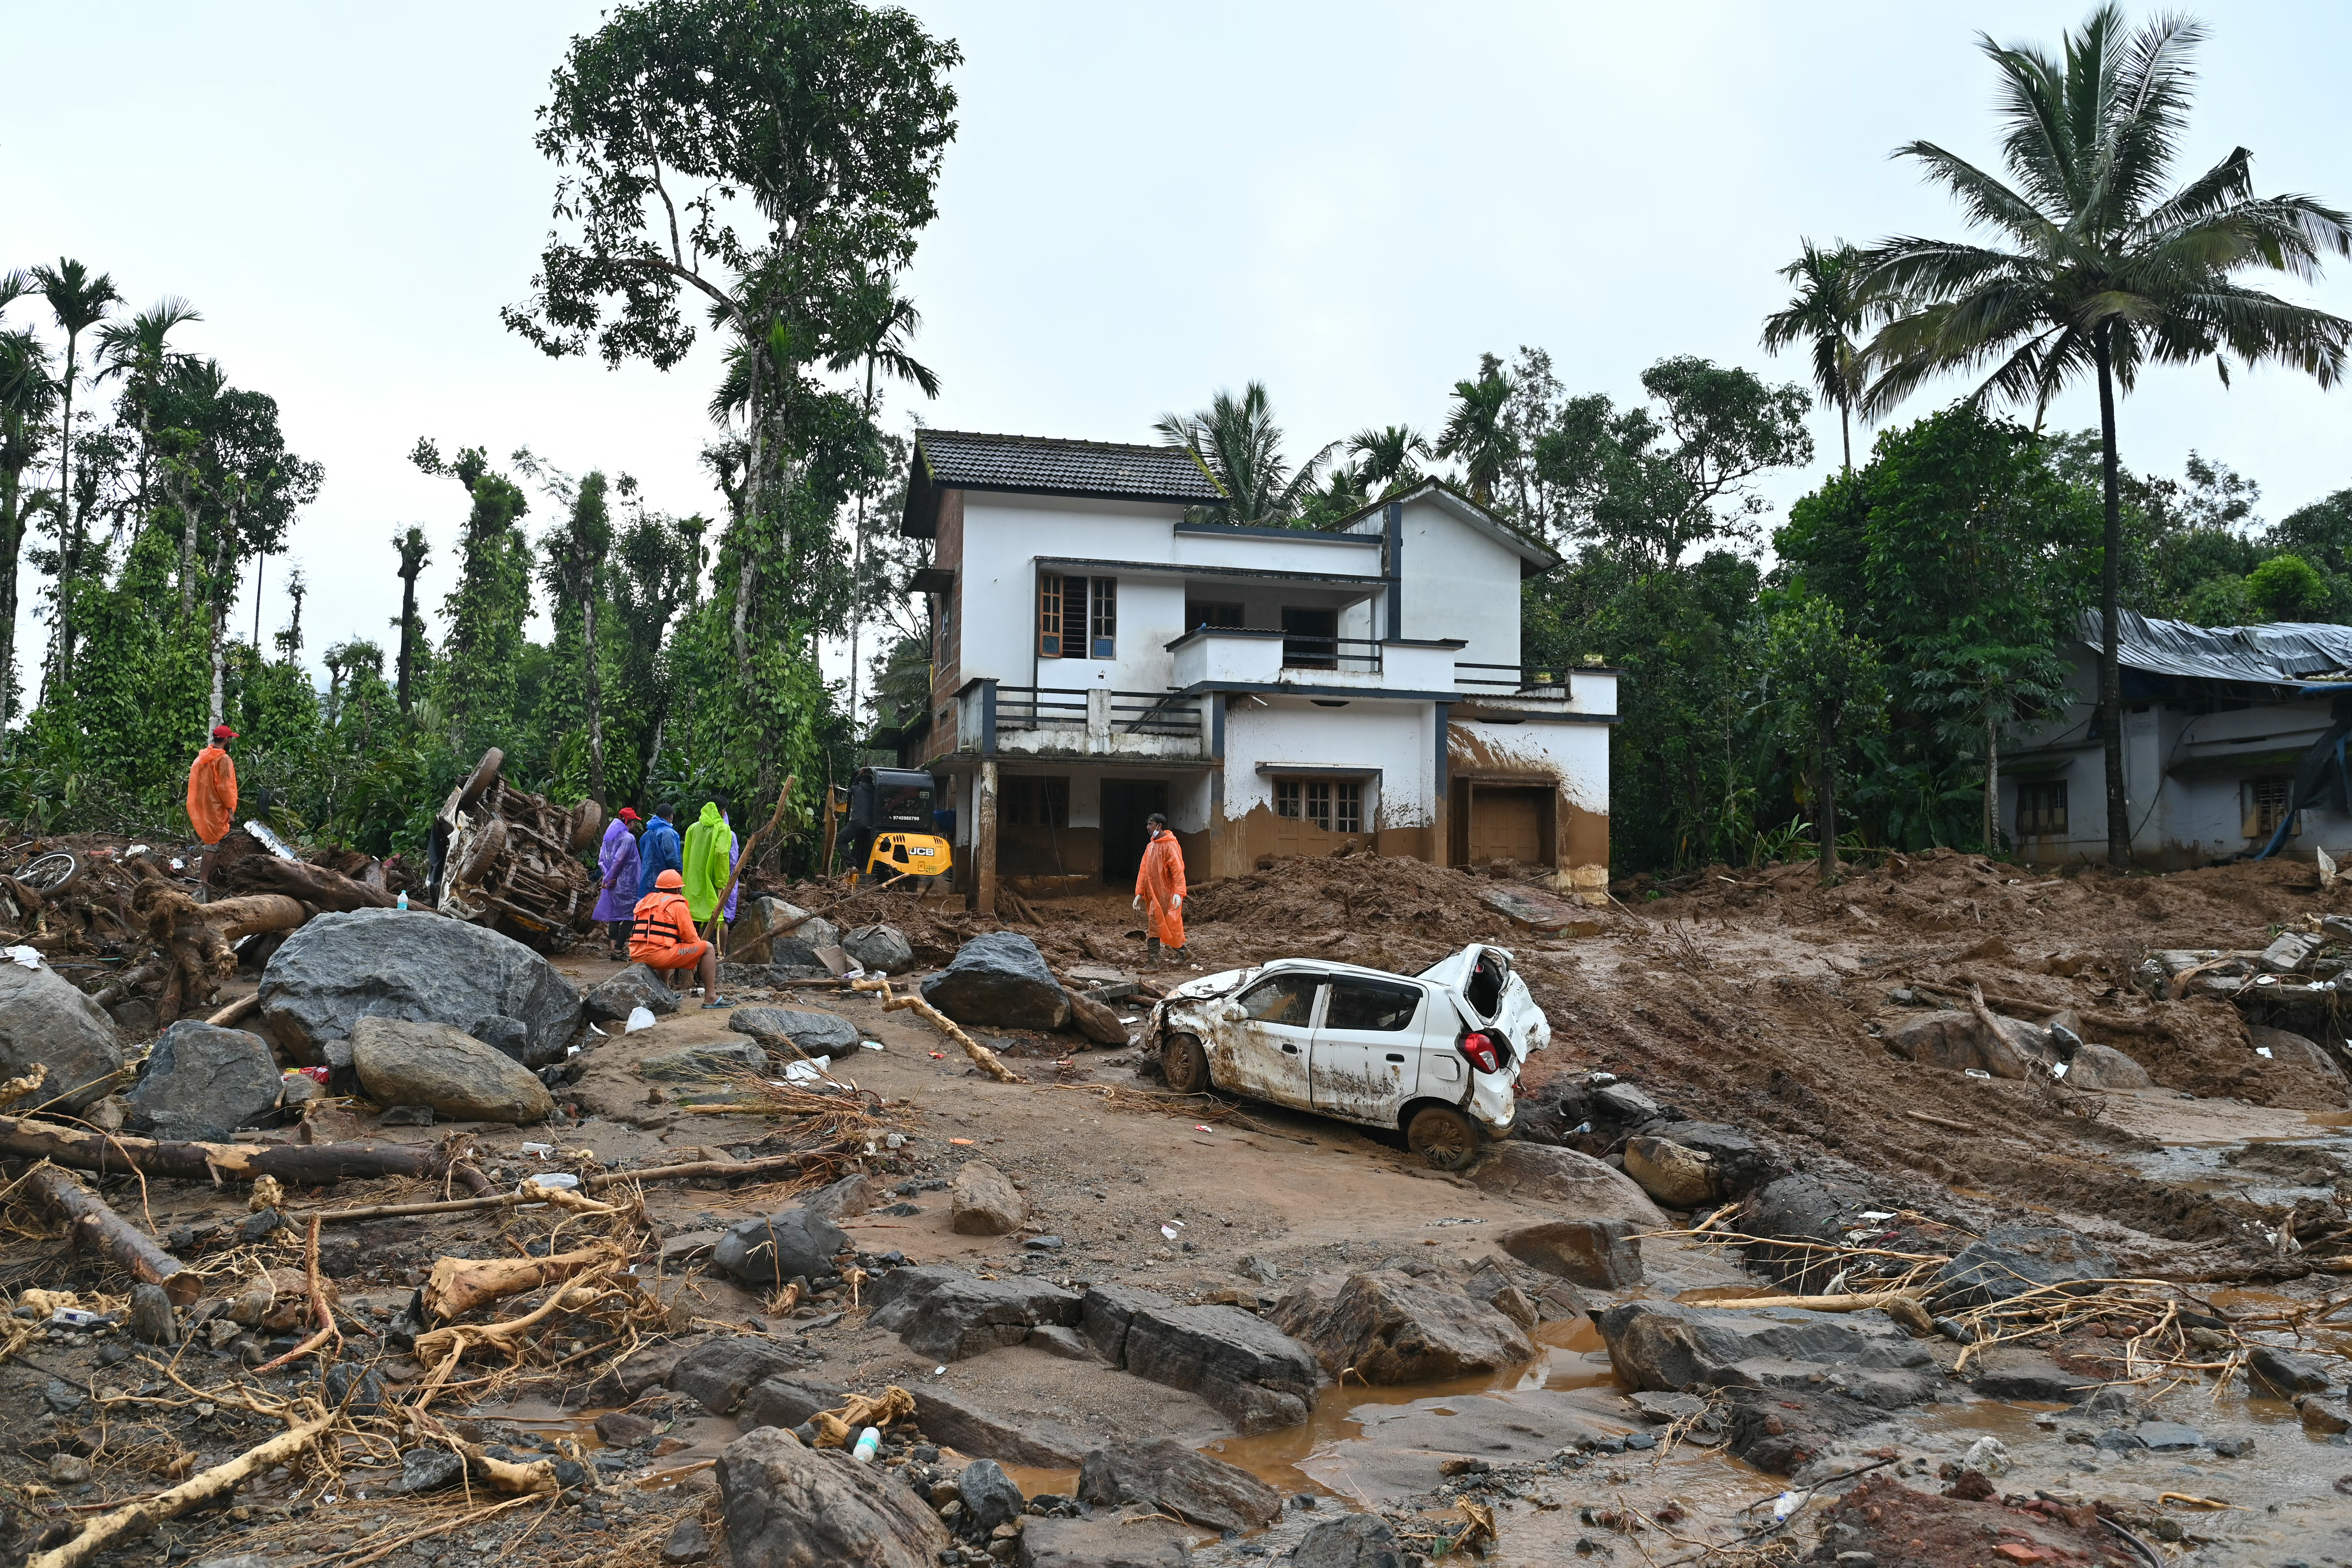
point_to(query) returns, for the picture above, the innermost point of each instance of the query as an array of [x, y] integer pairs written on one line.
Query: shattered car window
[[1284, 999], [1370, 1004], [1485, 988]]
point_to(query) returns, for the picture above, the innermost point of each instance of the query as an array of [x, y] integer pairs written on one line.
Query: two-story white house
[[1097, 657]]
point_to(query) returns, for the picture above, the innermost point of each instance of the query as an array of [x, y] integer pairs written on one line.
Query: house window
[[1335, 805], [1034, 802], [1203, 612], [1077, 617], [2042, 808], [2265, 803], [1310, 638]]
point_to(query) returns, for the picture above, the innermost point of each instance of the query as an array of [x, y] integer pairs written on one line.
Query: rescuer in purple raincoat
[[616, 861]]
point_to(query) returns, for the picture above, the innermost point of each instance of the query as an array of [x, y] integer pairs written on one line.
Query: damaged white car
[[1436, 1056]]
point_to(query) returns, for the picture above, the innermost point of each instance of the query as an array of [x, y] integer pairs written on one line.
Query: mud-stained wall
[[1259, 833], [1569, 760]]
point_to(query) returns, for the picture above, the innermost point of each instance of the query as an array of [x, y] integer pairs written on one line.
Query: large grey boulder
[[203, 1083], [999, 979], [772, 1250], [633, 987], [2104, 1067], [719, 1373], [791, 1507], [2010, 1259], [1665, 1347], [1565, 1183], [394, 964], [1358, 1541], [1390, 1327], [949, 1314], [1136, 1536], [1259, 1377], [1168, 1475], [403, 1063], [715, 1059], [1955, 1040], [44, 1019], [884, 948], [764, 916], [950, 1416], [1604, 1254], [782, 1028], [787, 1401]]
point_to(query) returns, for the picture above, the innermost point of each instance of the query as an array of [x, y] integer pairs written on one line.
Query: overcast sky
[[1348, 201]]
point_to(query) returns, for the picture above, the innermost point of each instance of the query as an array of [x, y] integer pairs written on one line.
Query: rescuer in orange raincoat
[[212, 797], [662, 937], [1160, 880]]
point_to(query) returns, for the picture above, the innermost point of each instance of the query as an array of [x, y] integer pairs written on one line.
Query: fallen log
[[243, 917], [116, 1154], [137, 1519], [236, 1011], [318, 885], [445, 1346], [989, 1061], [592, 1183], [459, 1285], [98, 1227]]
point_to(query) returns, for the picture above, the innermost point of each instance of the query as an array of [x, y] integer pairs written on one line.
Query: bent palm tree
[[1827, 312], [1237, 439], [1477, 432], [2097, 270]]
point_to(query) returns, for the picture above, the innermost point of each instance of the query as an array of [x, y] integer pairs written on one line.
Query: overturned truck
[[505, 859]]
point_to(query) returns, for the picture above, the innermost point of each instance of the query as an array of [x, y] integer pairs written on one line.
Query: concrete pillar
[[984, 833], [1098, 720]]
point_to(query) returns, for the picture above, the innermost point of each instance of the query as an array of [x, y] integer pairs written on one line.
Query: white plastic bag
[[639, 1018]]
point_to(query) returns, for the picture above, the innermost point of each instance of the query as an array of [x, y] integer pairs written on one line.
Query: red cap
[[669, 879], [627, 816], [223, 732]]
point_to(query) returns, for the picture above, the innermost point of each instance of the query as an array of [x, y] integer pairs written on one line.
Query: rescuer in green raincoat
[[710, 858]]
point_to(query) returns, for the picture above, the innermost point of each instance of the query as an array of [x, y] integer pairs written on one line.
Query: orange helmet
[[669, 879]]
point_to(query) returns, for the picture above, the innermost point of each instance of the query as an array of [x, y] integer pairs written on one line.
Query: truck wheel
[[1444, 1136], [587, 822], [1185, 1065], [478, 781]]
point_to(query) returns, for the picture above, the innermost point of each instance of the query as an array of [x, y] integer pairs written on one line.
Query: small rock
[[880, 947], [1358, 1540], [152, 1320], [986, 1203], [1252, 1267], [428, 1470], [405, 1116], [68, 1469], [1602, 1254], [633, 987], [770, 1250], [362, 1386], [1058, 1341], [1989, 1455], [1094, 1020], [719, 1059], [2286, 1372], [2232, 1448], [2166, 1436], [1044, 1244], [2323, 1417], [1675, 1176], [789, 1031], [620, 1429], [689, 1542], [988, 1494], [62, 1397]]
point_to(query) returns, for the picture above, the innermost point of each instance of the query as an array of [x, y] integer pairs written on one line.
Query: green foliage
[[2286, 588], [481, 673]]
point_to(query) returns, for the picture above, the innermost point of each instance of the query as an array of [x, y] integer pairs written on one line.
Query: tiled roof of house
[[959, 460]]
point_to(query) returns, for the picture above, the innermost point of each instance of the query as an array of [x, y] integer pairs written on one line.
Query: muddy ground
[[1751, 998]]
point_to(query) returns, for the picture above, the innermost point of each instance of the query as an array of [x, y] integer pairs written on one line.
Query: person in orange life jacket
[[1159, 880], [663, 939], [212, 798]]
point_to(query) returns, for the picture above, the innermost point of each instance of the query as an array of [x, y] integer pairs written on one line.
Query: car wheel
[[482, 855], [479, 782], [1185, 1065], [1444, 1136], [587, 822]]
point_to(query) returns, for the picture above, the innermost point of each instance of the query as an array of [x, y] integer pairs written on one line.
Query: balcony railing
[[1300, 652], [1497, 680], [1064, 707]]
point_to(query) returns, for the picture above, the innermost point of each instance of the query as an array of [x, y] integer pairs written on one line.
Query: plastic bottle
[[870, 1442], [400, 903]]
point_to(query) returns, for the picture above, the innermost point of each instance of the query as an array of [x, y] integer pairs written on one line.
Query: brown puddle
[[1306, 1459]]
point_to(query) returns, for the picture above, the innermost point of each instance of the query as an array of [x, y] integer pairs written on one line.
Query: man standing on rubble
[[709, 858], [662, 938], [657, 850], [616, 861], [1160, 880], [212, 798]]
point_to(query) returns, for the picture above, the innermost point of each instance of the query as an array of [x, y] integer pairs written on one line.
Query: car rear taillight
[[1482, 1053]]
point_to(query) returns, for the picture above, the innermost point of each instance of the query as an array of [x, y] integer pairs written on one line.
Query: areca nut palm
[[138, 351], [2095, 268], [78, 301], [1387, 454], [882, 341], [1827, 314]]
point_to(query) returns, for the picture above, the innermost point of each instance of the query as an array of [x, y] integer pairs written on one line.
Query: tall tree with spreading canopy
[[491, 603], [26, 393], [1825, 683], [1828, 315], [576, 556], [2099, 267]]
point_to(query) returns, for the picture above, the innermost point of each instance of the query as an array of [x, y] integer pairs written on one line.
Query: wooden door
[[1507, 824]]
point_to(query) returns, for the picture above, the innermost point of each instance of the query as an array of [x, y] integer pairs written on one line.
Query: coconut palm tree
[[1828, 312], [1476, 434], [2095, 268], [1385, 457], [1237, 439], [78, 301]]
